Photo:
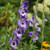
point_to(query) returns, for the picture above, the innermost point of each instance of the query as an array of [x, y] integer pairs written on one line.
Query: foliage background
[[8, 23]]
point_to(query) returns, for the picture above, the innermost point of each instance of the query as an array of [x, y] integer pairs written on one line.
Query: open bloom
[[22, 24], [45, 44], [22, 12], [18, 33], [14, 43]]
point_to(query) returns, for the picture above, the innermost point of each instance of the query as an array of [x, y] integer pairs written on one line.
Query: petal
[[19, 11], [23, 32], [34, 41], [39, 29], [30, 34], [13, 48], [33, 18], [19, 22], [15, 31], [10, 40], [17, 41]]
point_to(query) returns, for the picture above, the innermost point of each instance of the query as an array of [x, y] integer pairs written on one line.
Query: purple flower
[[14, 43], [37, 14], [18, 37], [18, 32], [30, 34], [23, 32], [35, 37], [35, 11], [13, 48], [37, 22], [31, 21], [39, 29], [36, 26], [22, 12], [26, 10], [25, 5], [37, 5], [22, 24], [45, 20]]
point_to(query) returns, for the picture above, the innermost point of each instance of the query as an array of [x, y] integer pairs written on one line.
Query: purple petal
[[33, 18], [30, 34], [36, 34], [19, 22], [25, 5], [39, 29], [18, 38], [38, 22], [15, 31], [17, 41], [23, 32], [13, 48], [34, 41], [10, 40]]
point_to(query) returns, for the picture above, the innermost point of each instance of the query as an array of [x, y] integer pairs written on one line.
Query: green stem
[[43, 16], [21, 3]]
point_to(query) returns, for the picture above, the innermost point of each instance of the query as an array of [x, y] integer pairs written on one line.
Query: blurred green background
[[8, 21]]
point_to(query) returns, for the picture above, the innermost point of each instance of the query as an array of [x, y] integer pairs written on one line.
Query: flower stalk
[[22, 23], [34, 24]]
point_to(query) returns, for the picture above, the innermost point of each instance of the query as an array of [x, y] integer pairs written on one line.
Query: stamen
[[22, 23], [22, 12], [13, 43], [18, 32]]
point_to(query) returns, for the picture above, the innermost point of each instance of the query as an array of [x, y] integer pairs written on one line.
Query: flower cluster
[[23, 23], [38, 29]]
